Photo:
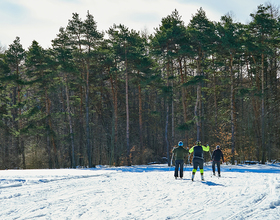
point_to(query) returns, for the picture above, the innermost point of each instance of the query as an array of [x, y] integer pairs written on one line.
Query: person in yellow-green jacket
[[179, 153], [197, 151]]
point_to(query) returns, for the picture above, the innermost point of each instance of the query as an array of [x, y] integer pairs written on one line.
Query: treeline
[[125, 97]]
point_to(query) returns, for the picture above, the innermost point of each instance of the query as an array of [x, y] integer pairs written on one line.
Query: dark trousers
[[197, 162], [218, 166], [179, 163]]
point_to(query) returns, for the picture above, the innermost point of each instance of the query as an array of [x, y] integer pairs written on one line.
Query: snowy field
[[140, 192]]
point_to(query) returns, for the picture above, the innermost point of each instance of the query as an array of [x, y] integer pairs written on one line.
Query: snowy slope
[[140, 192]]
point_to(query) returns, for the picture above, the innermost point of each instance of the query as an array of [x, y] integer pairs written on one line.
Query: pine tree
[[170, 41], [4, 113], [202, 38], [15, 56], [230, 46], [67, 68], [91, 40], [41, 72], [262, 27]]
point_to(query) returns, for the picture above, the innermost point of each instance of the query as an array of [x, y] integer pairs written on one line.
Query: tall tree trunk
[[81, 135], [70, 123], [81, 120], [90, 164], [197, 109], [215, 97], [20, 138], [140, 124], [48, 131], [257, 107], [172, 111], [64, 130], [232, 110], [166, 134], [114, 138], [127, 111], [15, 140], [23, 153], [48, 110], [49, 148], [263, 116], [6, 162], [112, 153], [18, 123], [184, 99], [273, 120], [167, 118], [116, 156]]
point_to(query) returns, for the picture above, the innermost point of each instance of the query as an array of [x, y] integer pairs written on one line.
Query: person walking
[[197, 151], [217, 155], [179, 154]]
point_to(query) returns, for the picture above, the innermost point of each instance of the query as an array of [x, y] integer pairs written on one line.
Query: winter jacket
[[179, 153], [217, 155], [198, 151]]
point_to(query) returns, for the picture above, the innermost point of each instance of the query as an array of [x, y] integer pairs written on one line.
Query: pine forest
[[123, 97]]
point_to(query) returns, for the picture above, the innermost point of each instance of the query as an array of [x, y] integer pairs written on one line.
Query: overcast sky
[[40, 20]]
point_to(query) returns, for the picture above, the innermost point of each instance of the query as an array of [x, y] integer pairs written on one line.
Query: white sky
[[40, 20]]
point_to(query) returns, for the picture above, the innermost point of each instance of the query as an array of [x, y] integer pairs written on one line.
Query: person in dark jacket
[[179, 154], [197, 151], [216, 159]]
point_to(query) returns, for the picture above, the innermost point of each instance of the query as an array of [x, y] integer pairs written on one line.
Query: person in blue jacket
[[197, 151]]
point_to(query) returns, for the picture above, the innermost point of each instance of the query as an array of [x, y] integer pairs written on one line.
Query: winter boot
[[193, 176], [202, 178]]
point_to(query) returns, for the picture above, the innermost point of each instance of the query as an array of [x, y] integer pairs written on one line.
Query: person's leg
[[181, 168], [219, 168], [201, 169], [176, 168], [213, 167], [195, 165]]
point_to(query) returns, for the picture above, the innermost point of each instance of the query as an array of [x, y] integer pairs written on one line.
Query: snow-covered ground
[[140, 192]]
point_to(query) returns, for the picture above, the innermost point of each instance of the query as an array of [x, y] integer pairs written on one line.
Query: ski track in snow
[[140, 192]]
